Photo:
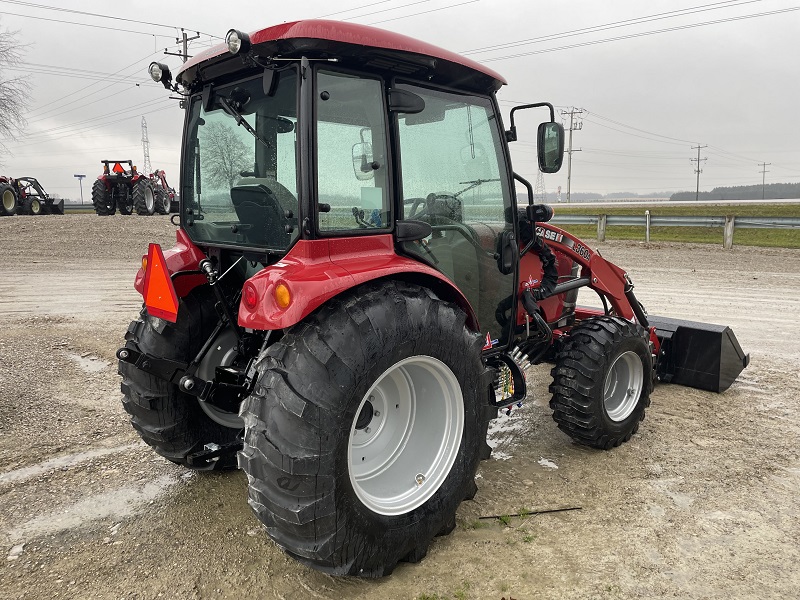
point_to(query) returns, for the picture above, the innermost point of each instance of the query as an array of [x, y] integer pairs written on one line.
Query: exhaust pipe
[[698, 355]]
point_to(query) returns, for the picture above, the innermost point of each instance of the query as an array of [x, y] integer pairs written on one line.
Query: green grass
[[774, 238]]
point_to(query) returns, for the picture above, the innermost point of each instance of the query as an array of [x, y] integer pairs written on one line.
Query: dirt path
[[702, 503]]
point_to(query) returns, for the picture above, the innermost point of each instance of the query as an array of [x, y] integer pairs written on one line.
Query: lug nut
[[420, 478]]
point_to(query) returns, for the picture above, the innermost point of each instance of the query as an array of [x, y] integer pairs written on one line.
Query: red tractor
[[165, 195], [26, 196], [353, 284], [126, 190]]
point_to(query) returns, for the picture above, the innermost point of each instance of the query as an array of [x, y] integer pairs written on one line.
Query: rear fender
[[183, 256], [316, 271]]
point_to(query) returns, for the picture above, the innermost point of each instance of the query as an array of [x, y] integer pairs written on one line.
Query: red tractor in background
[[354, 286], [26, 196], [165, 195], [127, 190]]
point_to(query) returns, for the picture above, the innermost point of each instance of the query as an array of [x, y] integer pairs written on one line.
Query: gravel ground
[[702, 503]]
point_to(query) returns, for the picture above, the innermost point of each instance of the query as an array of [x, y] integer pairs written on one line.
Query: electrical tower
[[763, 172], [539, 193], [575, 124], [146, 147], [698, 170]]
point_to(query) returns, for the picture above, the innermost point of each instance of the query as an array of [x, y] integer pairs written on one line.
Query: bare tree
[[14, 90], [224, 154]]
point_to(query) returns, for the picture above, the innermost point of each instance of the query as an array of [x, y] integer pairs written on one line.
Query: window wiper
[[472, 184], [240, 120]]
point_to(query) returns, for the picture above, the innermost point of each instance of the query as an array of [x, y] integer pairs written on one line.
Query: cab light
[[237, 41], [282, 296], [250, 296]]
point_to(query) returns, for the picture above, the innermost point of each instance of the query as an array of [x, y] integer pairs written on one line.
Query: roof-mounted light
[[160, 73], [237, 41]]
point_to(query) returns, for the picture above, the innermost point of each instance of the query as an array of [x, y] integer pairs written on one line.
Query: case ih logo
[[548, 234]]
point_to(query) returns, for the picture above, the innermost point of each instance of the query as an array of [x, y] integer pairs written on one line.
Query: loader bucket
[[699, 355], [57, 208]]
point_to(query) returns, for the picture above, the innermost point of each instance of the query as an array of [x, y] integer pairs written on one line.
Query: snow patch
[[547, 464]]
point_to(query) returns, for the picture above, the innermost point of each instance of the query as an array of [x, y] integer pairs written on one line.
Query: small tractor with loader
[[26, 196], [353, 287], [127, 190]]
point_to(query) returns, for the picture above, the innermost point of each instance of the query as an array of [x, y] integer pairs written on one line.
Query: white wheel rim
[[623, 386], [406, 435], [149, 200]]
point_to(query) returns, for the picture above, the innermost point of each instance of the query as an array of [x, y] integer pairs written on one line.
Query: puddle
[[119, 503], [501, 433], [89, 363], [61, 462]]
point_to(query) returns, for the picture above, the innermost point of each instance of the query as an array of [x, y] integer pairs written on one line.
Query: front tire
[[31, 206], [602, 382], [365, 429], [173, 423]]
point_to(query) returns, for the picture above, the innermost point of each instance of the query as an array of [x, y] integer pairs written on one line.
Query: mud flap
[[699, 355]]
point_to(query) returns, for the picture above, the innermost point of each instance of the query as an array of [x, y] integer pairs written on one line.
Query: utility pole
[[763, 176], [575, 124], [185, 41], [146, 147], [698, 170]]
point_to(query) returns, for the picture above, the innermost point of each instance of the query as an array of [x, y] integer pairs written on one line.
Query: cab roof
[[352, 45]]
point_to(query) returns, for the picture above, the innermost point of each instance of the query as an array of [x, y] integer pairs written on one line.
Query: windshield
[[240, 178]]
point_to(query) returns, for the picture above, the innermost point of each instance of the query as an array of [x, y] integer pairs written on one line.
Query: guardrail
[[728, 224]]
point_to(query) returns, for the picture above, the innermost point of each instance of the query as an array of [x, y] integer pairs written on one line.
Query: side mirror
[[550, 147], [363, 163]]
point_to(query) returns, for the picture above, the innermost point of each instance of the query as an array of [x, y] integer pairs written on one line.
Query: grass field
[[781, 238]]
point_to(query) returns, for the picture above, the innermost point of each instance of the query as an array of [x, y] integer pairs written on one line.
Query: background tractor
[[127, 190], [26, 196], [354, 286]]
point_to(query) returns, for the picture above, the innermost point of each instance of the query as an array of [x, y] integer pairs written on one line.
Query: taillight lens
[[282, 296], [250, 296]]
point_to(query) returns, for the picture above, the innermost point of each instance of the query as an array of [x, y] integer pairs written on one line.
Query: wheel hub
[[623, 386]]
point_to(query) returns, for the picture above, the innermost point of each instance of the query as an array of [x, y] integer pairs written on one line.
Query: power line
[[763, 176], [642, 34], [425, 12], [574, 125], [91, 14], [614, 25]]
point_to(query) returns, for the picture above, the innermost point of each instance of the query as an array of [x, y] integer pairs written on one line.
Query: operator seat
[[264, 207]]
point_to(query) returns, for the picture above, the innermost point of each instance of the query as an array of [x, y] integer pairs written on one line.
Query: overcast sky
[[653, 79]]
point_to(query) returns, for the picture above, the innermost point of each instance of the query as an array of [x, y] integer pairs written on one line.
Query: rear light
[[144, 263], [250, 296], [282, 296]]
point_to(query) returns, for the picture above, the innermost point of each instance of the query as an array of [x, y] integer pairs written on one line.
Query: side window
[[454, 177], [352, 174]]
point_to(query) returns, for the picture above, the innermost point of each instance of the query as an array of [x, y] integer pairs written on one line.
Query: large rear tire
[[602, 382], [8, 200], [172, 422], [365, 429], [144, 198], [101, 199]]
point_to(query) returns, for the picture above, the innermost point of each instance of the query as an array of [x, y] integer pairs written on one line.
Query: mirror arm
[[511, 134]]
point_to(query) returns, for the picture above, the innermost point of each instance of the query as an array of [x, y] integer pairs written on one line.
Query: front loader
[[354, 286]]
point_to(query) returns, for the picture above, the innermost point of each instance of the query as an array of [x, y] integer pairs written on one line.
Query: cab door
[[454, 177]]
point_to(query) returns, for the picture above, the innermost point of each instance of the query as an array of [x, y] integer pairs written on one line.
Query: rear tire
[[602, 382], [8, 200], [162, 202], [170, 421], [101, 199], [144, 198], [356, 409]]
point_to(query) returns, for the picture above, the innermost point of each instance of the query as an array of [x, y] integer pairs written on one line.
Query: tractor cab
[[300, 137]]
